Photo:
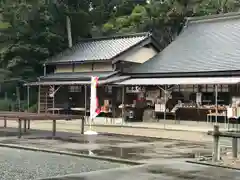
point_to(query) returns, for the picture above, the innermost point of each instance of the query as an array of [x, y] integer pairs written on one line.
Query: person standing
[[140, 107]]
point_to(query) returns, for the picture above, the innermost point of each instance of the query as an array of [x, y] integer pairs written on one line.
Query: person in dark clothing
[[67, 106], [140, 106]]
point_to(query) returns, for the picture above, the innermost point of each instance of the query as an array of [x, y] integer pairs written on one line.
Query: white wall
[[84, 67], [140, 55]]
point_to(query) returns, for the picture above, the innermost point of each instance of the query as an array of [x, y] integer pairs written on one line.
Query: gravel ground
[[165, 170], [28, 165]]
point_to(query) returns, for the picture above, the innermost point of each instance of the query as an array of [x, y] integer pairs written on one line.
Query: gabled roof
[[106, 48], [206, 44]]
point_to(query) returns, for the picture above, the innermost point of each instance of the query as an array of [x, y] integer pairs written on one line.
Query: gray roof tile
[[206, 44], [99, 49]]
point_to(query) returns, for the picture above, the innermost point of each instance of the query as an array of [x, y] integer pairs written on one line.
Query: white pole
[[216, 103], [92, 102], [94, 111]]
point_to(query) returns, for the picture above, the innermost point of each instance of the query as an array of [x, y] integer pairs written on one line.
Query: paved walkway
[[167, 125], [188, 130], [162, 124], [137, 129]]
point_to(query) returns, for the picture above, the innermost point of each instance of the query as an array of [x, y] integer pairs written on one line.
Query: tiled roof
[[99, 49], [206, 44]]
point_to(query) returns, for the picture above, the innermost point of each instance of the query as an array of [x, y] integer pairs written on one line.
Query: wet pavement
[[123, 147], [163, 157]]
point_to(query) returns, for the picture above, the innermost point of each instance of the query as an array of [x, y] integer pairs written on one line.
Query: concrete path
[[169, 125], [75, 126], [162, 124], [186, 130]]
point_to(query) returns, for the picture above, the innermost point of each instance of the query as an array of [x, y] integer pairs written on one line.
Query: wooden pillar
[[216, 103], [25, 125], [28, 104], [18, 98], [54, 128], [165, 102], [123, 104], [53, 100], [234, 147], [5, 122], [85, 106], [216, 145], [19, 128], [39, 98]]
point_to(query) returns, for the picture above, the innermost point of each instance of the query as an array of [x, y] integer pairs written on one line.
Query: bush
[[5, 105], [33, 108]]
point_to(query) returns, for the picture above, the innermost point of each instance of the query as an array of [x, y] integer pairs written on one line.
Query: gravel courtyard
[[28, 165]]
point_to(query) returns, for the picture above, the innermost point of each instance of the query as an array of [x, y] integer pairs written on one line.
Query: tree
[[166, 18], [37, 30], [31, 38]]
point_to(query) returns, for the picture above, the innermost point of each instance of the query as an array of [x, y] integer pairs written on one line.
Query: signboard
[[135, 89], [75, 88]]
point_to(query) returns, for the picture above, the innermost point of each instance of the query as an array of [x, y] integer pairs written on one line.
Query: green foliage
[[31, 38], [5, 105], [33, 108], [130, 23], [4, 25], [31, 31], [166, 18]]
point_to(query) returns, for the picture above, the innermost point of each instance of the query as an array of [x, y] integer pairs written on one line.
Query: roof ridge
[[116, 36], [211, 18]]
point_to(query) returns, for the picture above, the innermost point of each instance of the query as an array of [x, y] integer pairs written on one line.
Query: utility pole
[[69, 31]]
